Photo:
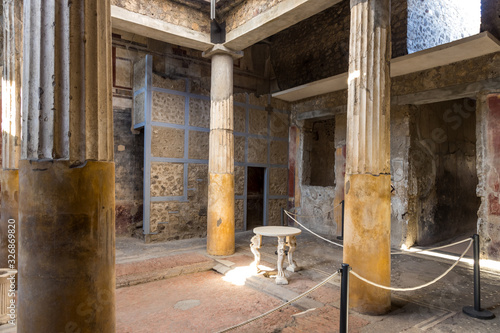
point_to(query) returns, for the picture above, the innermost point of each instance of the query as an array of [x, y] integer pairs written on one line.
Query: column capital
[[221, 49]]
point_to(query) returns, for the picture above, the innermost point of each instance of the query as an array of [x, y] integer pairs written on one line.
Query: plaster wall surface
[[435, 22]]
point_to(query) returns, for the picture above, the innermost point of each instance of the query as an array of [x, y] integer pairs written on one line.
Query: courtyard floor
[[177, 287]]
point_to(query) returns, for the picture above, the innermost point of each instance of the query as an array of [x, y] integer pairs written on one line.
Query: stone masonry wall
[[169, 11], [324, 202], [464, 72], [313, 49], [173, 67], [490, 16], [245, 11], [436, 22], [176, 157], [178, 207], [318, 47]]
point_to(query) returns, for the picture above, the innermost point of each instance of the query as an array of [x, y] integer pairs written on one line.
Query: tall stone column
[[66, 173], [11, 118], [368, 181], [220, 221]]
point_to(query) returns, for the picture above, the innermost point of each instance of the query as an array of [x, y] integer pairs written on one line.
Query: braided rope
[[312, 232], [417, 287], [433, 248], [322, 215]]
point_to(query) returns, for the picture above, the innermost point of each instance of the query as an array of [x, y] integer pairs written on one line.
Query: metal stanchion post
[[282, 216], [344, 299], [341, 237], [476, 311]]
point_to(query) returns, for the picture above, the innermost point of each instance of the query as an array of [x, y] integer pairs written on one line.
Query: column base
[[220, 219], [67, 247], [367, 241]]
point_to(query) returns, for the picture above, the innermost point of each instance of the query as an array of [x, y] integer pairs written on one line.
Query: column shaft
[[11, 117], [220, 221], [367, 187], [66, 173]]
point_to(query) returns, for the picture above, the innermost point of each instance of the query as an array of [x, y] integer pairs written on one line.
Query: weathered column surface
[[220, 221], [488, 170], [11, 118], [66, 173], [367, 184]]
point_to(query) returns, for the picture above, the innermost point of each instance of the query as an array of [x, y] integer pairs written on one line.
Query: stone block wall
[[435, 22]]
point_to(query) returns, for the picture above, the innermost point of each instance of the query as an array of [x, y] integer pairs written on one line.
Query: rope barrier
[[434, 248], [282, 305], [399, 252], [325, 213], [312, 232], [418, 287]]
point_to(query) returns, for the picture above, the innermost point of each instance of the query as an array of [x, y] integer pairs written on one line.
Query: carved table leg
[[281, 279], [292, 244], [255, 246]]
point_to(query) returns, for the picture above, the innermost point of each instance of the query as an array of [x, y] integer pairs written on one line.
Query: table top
[[277, 231]]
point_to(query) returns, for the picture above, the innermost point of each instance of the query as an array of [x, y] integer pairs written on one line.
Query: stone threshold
[[133, 273]]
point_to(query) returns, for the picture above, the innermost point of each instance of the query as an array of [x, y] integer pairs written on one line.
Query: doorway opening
[[444, 161], [255, 197]]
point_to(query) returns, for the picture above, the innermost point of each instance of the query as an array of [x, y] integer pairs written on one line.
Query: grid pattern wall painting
[[174, 116]]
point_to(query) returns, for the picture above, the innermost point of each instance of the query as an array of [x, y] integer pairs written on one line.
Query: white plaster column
[[66, 172], [11, 117], [367, 185], [220, 221]]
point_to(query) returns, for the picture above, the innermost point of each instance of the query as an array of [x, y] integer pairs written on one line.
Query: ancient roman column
[[66, 173], [368, 181], [220, 221], [11, 122]]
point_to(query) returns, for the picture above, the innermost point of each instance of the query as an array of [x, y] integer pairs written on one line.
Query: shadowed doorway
[[255, 197]]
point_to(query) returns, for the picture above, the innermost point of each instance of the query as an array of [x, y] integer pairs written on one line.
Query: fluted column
[[66, 173], [368, 180], [220, 222], [11, 118]]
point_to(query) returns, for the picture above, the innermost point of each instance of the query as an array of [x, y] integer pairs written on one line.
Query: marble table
[[286, 237]]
